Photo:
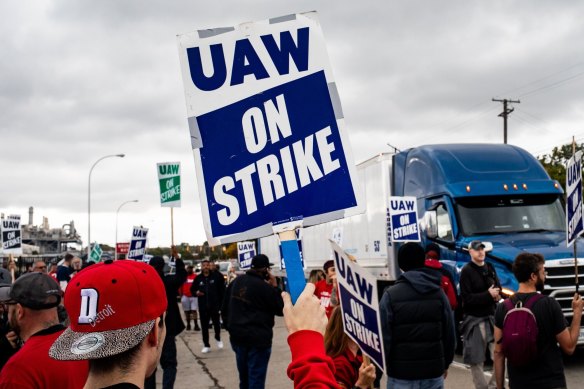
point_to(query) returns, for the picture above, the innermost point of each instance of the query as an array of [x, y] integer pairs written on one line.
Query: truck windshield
[[495, 215]]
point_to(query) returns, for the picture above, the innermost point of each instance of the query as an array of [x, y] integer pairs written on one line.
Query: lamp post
[[89, 200], [117, 212]]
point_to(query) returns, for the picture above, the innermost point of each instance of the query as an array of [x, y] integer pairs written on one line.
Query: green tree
[[555, 162]]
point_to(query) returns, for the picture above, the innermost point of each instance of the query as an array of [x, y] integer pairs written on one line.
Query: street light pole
[[89, 200], [117, 212]]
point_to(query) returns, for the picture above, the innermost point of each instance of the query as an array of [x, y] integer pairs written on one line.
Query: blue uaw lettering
[[355, 281], [139, 233], [246, 60], [244, 246], [277, 174], [362, 333], [398, 205], [574, 173]]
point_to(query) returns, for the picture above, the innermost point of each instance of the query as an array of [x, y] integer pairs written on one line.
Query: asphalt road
[[217, 369]]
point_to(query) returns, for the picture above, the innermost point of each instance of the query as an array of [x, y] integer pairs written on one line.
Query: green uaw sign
[[169, 179], [96, 252]]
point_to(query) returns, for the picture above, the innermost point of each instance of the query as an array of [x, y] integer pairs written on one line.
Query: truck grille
[[560, 282]]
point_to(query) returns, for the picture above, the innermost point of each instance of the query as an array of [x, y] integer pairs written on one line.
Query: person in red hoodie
[[324, 288], [350, 371], [433, 262], [306, 322]]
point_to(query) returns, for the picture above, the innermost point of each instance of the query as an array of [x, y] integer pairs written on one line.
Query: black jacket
[[249, 308], [172, 283], [213, 287], [417, 326], [474, 284]]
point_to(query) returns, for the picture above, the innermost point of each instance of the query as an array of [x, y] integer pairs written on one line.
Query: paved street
[[217, 369]]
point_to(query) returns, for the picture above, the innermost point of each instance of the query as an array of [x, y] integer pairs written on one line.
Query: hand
[[11, 265], [12, 339], [307, 314], [199, 293], [445, 373], [494, 293], [334, 279], [577, 304], [366, 376]]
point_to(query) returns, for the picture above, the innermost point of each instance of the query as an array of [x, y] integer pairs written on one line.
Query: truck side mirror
[[431, 224], [488, 246]]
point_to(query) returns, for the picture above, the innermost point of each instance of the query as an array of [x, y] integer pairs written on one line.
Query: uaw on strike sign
[[574, 222], [11, 235], [359, 305], [266, 125], [138, 243], [169, 182]]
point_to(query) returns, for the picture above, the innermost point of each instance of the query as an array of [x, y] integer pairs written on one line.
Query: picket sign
[[138, 244], [574, 222], [290, 250], [403, 213], [245, 253], [359, 306], [267, 132], [11, 235]]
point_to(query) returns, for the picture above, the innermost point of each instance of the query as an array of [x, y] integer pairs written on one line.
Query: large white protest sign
[[267, 127], [169, 182], [359, 305], [245, 252], [403, 213], [11, 235], [138, 243], [574, 222]]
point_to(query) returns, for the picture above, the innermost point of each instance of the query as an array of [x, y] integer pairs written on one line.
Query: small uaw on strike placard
[[245, 252], [360, 308], [403, 213], [574, 222], [138, 243], [11, 235], [266, 127], [169, 181]]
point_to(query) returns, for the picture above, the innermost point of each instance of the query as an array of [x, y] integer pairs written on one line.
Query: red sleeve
[[345, 372], [310, 368]]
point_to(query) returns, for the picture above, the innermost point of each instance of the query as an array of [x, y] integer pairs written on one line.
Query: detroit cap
[[112, 306]]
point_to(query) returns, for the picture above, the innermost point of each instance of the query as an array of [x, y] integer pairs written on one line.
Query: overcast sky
[[84, 79]]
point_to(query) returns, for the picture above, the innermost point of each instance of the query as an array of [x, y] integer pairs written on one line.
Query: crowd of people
[[110, 325]]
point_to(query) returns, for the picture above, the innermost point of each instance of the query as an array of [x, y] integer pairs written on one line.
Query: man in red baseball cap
[[116, 310]]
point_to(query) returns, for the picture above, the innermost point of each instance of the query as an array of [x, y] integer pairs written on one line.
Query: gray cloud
[[82, 79]]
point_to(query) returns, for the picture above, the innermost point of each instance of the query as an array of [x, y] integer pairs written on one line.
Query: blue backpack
[[520, 331]]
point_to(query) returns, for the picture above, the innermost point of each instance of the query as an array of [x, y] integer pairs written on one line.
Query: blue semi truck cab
[[494, 193]]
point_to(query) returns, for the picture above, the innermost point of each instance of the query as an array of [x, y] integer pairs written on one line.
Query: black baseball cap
[[36, 291], [260, 261]]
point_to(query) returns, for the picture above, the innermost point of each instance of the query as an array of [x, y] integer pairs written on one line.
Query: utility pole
[[505, 113]]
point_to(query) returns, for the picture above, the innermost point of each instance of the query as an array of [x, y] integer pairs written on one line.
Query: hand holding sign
[[306, 314]]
